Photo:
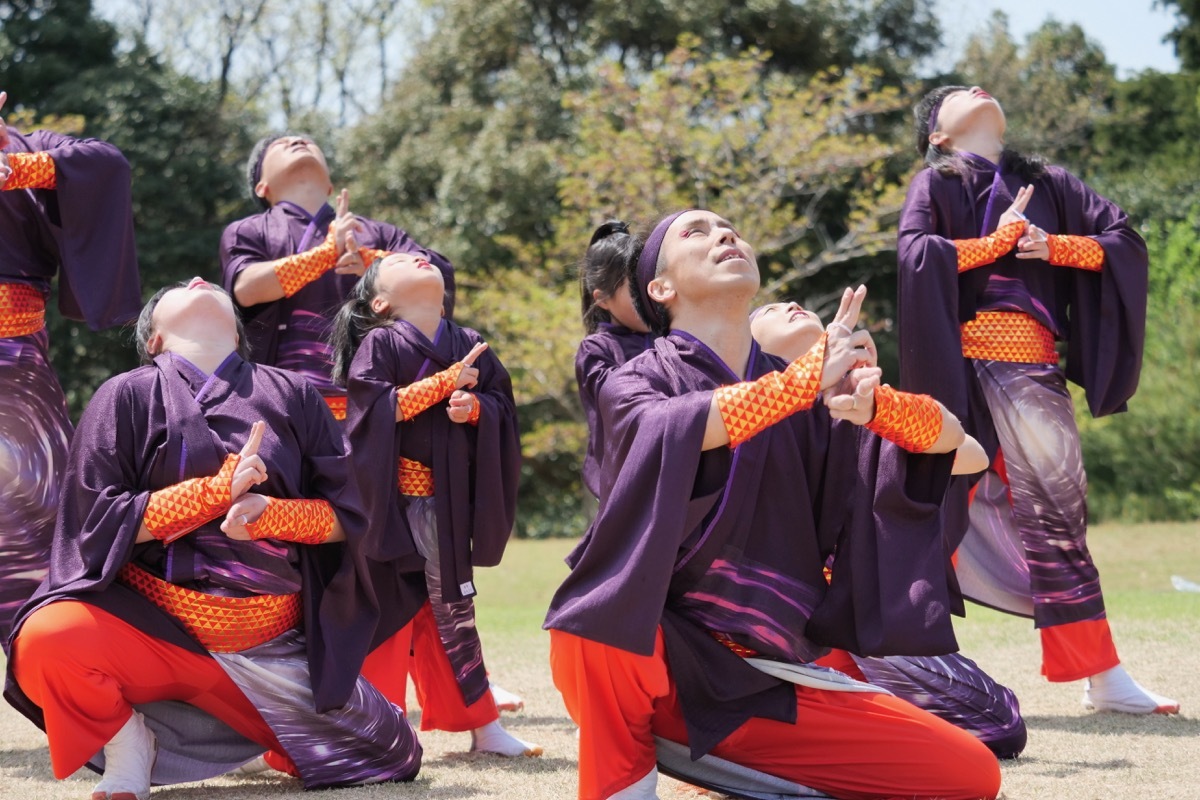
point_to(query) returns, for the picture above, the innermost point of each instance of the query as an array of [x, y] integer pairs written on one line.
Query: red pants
[[86, 669], [442, 706], [847, 744], [1077, 650]]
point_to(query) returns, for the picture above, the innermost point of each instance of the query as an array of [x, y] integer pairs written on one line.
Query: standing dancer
[[65, 209], [439, 467], [733, 488], [207, 596], [1001, 256]]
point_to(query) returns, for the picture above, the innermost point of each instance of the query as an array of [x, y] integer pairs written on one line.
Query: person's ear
[[260, 189], [379, 305], [661, 290], [938, 138], [154, 344]]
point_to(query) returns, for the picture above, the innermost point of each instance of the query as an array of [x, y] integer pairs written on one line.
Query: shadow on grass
[[491, 761], [1173, 725], [33, 763], [422, 787]]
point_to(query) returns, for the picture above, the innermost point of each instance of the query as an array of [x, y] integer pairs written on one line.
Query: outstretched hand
[[251, 469], [845, 347], [470, 373], [1016, 212]]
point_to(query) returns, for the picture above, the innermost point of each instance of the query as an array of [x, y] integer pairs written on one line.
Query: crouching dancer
[[726, 488], [206, 600]]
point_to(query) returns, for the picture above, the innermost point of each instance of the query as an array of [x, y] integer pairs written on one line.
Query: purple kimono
[[293, 332], [476, 469], [174, 422], [734, 541], [83, 232], [1028, 556], [598, 355]]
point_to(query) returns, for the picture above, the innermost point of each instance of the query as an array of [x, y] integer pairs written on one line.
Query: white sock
[[644, 789], [492, 738], [505, 700], [128, 759], [255, 766], [1115, 690]]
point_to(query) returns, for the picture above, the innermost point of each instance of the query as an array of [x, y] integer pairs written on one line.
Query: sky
[[1129, 31]]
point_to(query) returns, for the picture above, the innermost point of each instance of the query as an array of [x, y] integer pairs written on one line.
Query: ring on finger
[[842, 325]]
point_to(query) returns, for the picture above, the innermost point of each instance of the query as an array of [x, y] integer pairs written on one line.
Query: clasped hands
[[251, 470], [1033, 242]]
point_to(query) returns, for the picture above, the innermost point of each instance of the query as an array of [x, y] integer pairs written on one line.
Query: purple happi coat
[[293, 332], [476, 468], [157, 425], [598, 355], [735, 540], [83, 232], [1100, 315]]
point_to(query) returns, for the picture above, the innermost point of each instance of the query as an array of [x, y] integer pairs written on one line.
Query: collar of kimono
[[983, 163], [648, 258]]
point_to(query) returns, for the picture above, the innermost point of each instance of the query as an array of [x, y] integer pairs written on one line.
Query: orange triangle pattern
[[31, 171], [750, 407], [22, 310], [178, 510], [415, 479], [416, 397], [296, 272], [299, 521], [974, 253], [1008, 336], [1081, 252], [221, 624], [338, 405], [913, 421]]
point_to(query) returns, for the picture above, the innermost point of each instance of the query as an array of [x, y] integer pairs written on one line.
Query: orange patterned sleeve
[[296, 272], [751, 407], [913, 421], [974, 253], [31, 171], [369, 254], [299, 521], [428, 392], [1081, 252], [476, 410], [178, 510]]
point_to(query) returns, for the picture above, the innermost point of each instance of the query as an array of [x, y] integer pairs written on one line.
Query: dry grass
[[1072, 755]]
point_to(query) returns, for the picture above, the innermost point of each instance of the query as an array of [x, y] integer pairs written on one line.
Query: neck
[[726, 331], [309, 194], [987, 145], [205, 353], [426, 320]]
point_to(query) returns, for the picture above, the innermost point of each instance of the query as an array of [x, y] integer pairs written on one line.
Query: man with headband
[[698, 598]]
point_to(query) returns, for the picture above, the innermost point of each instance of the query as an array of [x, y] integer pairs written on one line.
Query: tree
[[1055, 89], [1186, 33]]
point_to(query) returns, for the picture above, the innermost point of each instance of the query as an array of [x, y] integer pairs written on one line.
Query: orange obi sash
[[415, 479], [1008, 336], [337, 404], [221, 624], [22, 310]]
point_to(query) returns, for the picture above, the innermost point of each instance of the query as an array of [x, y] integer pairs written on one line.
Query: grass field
[[1072, 754]]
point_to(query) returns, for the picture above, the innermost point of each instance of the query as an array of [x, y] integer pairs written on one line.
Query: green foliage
[[1145, 464], [1186, 34]]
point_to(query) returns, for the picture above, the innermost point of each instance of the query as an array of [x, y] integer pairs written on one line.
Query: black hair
[[255, 162], [354, 320], [143, 328], [609, 262], [947, 162]]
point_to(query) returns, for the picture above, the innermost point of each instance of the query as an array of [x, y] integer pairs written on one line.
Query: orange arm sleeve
[[750, 407]]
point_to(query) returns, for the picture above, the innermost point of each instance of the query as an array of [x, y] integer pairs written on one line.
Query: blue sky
[[1130, 31]]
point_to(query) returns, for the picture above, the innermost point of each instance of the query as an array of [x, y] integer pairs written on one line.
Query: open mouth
[[730, 254]]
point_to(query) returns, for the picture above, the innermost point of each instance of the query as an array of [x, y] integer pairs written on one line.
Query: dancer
[[615, 331], [1001, 256], [207, 597], [65, 209], [950, 686], [709, 546], [439, 467]]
